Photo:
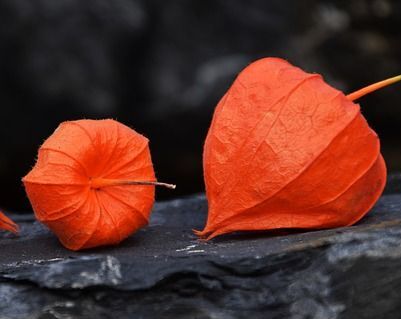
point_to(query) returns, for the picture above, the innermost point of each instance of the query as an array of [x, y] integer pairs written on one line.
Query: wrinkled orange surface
[[60, 187], [7, 224], [286, 150]]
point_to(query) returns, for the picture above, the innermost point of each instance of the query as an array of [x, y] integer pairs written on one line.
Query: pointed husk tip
[[7, 224], [205, 234]]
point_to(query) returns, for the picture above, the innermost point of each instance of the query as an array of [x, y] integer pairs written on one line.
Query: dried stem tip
[[373, 87], [104, 182]]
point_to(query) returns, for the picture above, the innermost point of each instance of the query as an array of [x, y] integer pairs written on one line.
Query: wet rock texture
[[163, 271]]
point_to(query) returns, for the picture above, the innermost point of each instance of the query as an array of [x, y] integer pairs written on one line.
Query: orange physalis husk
[[7, 224], [287, 150], [93, 183]]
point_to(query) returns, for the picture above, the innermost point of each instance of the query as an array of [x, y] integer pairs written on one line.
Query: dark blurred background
[[161, 67]]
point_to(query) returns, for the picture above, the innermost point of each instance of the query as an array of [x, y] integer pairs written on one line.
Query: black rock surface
[[164, 271]]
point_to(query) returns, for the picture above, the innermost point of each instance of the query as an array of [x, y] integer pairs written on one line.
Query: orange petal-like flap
[[7, 224]]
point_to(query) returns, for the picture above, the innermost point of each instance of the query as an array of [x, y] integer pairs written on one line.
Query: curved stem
[[105, 182], [373, 87]]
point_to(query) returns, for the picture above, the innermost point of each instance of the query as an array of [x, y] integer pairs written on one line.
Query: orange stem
[[373, 87], [105, 182]]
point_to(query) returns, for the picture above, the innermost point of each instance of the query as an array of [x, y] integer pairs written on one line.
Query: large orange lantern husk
[[93, 183], [287, 150]]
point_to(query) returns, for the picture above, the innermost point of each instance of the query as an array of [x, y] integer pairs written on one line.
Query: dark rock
[[164, 271], [393, 183]]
